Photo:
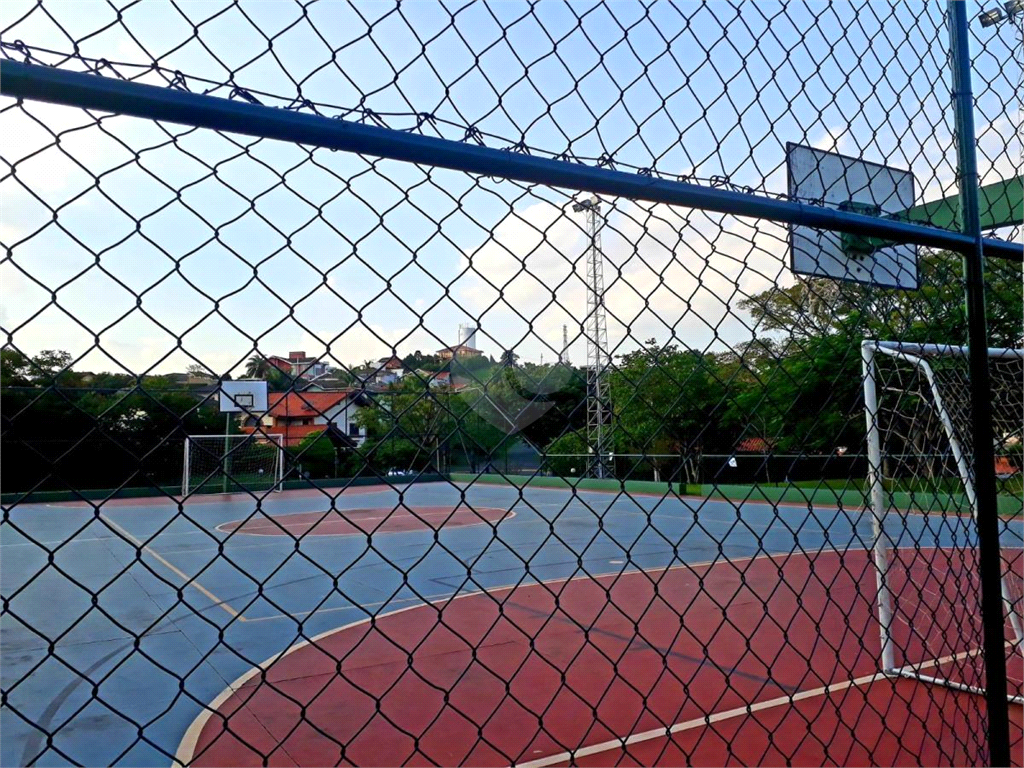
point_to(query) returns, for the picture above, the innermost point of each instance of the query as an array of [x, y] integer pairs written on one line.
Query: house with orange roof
[[459, 350], [295, 415]]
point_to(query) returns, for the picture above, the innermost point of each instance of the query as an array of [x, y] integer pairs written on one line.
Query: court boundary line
[[507, 514], [190, 581], [473, 485], [185, 752], [211, 498], [186, 747], [218, 602], [730, 714]]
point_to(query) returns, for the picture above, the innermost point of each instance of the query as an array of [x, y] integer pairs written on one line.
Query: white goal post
[[917, 407], [226, 463]]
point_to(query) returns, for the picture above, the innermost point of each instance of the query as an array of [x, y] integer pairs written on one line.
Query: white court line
[[190, 740], [187, 747], [189, 580], [326, 517], [729, 714], [352, 607]]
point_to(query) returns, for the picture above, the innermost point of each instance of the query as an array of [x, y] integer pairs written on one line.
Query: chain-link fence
[[511, 383]]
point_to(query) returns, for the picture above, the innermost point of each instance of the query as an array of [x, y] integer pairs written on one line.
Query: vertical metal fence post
[[986, 514]]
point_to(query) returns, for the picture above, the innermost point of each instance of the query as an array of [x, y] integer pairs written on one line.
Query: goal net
[[231, 463], [922, 487]]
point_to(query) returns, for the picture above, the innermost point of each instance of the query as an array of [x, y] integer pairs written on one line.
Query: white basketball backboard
[[836, 181], [243, 396]]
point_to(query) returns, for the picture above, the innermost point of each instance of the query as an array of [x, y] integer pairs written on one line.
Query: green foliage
[[815, 307], [804, 398], [416, 426], [418, 360], [316, 454], [75, 437], [472, 368], [540, 402], [343, 375], [49, 364], [258, 367], [575, 463], [666, 400], [14, 368], [803, 391], [796, 385]]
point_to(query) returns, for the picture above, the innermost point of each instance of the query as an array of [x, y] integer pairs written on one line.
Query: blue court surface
[[183, 608]]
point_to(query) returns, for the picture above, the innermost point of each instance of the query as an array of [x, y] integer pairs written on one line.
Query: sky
[[173, 245]]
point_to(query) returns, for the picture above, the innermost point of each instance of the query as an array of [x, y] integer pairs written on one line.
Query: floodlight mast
[[597, 336]]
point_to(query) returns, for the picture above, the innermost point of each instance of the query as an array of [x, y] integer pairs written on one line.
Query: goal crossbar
[[247, 461]]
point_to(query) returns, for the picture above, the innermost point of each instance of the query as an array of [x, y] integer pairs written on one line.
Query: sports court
[[397, 636], [502, 382]]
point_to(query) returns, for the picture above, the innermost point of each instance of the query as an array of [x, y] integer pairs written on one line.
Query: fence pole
[[986, 513]]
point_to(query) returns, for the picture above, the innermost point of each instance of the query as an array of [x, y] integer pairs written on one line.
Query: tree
[[15, 368], [418, 360], [404, 426], [258, 367], [317, 455], [416, 426], [810, 307], [60, 435], [802, 390], [52, 367], [934, 313], [669, 404], [806, 399], [541, 402], [343, 375], [567, 456]]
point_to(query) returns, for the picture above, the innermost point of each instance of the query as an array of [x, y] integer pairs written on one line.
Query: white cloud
[[668, 273]]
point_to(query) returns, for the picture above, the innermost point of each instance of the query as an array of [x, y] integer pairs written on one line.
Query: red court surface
[[349, 522], [523, 674]]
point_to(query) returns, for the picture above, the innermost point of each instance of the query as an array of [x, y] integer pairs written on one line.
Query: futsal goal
[[917, 403], [230, 463]]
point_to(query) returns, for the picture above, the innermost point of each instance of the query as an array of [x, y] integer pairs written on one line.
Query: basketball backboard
[[837, 181], [243, 396]]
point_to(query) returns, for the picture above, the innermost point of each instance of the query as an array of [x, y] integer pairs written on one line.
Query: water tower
[[467, 335]]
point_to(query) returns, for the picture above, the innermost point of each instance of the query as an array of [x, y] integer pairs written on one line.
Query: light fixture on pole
[[1010, 10], [991, 17]]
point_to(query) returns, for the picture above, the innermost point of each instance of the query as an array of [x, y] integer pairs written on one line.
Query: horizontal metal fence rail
[[154, 103]]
